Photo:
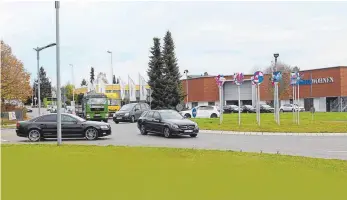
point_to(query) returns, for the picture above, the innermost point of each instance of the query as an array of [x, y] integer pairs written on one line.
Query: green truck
[[94, 106]]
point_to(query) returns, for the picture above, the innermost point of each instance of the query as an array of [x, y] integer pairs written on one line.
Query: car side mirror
[[157, 119]]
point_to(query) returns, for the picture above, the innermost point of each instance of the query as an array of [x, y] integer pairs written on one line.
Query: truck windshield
[[97, 101], [114, 102]]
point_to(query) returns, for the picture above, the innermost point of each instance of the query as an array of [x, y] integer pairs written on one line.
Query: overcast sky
[[213, 37]]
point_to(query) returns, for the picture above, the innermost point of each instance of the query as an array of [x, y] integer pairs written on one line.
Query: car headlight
[[126, 114], [196, 126], [174, 126], [88, 116], [104, 127]]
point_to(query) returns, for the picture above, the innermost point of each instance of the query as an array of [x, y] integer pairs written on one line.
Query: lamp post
[[276, 102], [110, 52], [38, 49], [57, 6], [73, 84], [186, 72]]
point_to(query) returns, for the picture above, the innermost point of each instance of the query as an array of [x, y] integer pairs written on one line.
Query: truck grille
[[187, 127], [97, 109]]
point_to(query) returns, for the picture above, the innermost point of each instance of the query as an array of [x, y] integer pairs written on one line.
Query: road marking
[[337, 151]]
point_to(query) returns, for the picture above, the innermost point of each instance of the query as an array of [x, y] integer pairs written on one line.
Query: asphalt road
[[127, 134]]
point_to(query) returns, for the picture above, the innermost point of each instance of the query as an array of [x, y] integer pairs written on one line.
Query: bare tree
[[284, 83]]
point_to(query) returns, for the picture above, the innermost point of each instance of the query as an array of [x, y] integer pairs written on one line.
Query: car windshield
[[97, 101], [170, 115], [127, 107], [79, 118]]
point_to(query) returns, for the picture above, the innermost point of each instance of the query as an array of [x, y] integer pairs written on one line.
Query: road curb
[[270, 133]]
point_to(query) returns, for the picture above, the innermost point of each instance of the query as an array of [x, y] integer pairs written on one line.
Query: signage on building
[[322, 80], [317, 81]]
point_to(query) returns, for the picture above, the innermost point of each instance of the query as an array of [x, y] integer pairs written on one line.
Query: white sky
[[216, 37]]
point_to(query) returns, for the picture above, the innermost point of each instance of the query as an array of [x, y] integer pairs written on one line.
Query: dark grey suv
[[130, 112]]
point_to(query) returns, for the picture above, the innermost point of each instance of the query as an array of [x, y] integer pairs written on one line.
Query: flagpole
[[238, 88], [258, 104]]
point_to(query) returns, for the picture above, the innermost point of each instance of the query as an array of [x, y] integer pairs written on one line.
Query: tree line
[[164, 75]]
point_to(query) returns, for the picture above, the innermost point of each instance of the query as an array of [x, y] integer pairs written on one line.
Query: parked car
[[264, 108], [202, 112], [72, 126], [291, 108], [231, 109], [167, 123], [130, 112], [248, 109]]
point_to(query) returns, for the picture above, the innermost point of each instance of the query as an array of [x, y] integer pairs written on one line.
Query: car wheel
[[193, 135], [187, 116], [91, 133], [117, 122], [281, 110], [132, 119], [34, 135], [167, 133], [214, 115], [143, 130]]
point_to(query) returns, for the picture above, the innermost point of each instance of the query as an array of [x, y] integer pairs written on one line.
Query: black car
[[167, 123], [130, 112], [264, 108], [72, 126], [248, 109], [231, 109]]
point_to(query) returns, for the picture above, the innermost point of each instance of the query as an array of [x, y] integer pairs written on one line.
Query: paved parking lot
[[127, 134]]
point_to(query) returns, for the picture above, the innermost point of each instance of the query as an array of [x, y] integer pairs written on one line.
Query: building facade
[[325, 89]]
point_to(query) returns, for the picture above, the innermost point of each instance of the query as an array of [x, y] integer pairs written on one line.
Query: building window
[[194, 104], [211, 103]]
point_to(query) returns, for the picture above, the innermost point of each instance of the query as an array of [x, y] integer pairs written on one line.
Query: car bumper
[[20, 134], [183, 132], [105, 132], [121, 119]]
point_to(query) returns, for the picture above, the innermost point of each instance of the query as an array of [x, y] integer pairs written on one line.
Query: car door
[[137, 111], [156, 122], [200, 112], [48, 125], [148, 121], [70, 126]]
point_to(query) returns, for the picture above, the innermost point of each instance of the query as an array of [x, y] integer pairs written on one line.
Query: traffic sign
[[194, 112]]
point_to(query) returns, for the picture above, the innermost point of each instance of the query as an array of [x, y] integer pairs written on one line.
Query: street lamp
[[186, 72], [110, 52], [276, 99], [73, 84], [38, 49]]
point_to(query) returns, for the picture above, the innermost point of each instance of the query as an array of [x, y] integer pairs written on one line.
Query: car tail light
[[17, 124]]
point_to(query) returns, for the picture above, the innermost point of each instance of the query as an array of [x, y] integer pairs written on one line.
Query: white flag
[[122, 88], [132, 89], [143, 91]]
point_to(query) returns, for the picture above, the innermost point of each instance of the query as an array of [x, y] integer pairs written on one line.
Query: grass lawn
[[331, 122], [35, 172]]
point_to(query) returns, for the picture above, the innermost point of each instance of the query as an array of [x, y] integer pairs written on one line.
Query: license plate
[[97, 115], [188, 131], [119, 117]]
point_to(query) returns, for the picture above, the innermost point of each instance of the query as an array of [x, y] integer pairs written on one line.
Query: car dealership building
[[324, 88]]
